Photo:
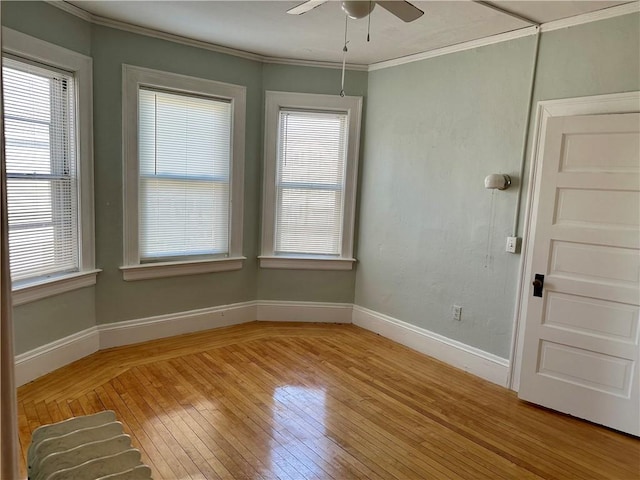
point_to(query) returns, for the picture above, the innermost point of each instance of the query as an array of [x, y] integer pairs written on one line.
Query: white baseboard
[[470, 359], [47, 358], [282, 311], [172, 324]]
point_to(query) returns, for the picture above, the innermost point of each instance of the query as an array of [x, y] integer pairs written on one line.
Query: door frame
[[627, 102]]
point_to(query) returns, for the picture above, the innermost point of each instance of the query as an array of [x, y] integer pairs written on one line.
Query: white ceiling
[[263, 27]]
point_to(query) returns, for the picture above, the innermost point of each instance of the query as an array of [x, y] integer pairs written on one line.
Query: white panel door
[[581, 350]]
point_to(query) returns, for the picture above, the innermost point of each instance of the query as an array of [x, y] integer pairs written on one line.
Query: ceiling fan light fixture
[[357, 9]]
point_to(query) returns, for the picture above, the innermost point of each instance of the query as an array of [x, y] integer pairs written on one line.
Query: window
[[184, 163], [310, 181], [48, 162], [184, 175], [41, 171]]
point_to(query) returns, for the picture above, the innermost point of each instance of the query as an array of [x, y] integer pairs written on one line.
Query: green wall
[[48, 23], [41, 322], [113, 299], [116, 299], [590, 59], [430, 235], [303, 285]]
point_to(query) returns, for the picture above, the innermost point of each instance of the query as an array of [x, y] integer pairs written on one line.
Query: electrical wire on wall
[[344, 53], [525, 136], [523, 157]]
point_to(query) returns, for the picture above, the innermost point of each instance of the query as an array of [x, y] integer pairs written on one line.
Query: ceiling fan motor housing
[[357, 9]]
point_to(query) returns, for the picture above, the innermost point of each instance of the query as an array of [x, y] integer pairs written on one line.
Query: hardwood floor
[[316, 401]]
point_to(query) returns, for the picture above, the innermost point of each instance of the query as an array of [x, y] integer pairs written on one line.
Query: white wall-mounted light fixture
[[497, 180]]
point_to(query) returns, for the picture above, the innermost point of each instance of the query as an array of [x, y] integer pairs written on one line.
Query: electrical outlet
[[512, 244], [457, 313]]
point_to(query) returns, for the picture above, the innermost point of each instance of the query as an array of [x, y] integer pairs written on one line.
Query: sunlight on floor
[[290, 403]]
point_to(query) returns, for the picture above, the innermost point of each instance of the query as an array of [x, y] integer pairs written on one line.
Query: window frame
[[133, 78], [274, 102], [25, 48]]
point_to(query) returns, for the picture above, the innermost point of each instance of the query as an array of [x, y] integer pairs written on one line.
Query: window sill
[[174, 269], [53, 286], [306, 263]]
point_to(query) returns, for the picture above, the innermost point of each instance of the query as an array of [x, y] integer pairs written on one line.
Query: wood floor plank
[[55, 413], [378, 387], [468, 416], [241, 390], [286, 443], [514, 437], [294, 426], [287, 401], [247, 373], [238, 435], [182, 464], [524, 416], [184, 433], [246, 466], [24, 434], [211, 452], [350, 417], [298, 463], [144, 434]]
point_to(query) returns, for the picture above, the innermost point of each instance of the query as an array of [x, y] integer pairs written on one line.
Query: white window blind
[[184, 162], [42, 180], [310, 182]]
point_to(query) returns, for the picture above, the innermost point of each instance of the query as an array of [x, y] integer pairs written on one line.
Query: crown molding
[[150, 32], [619, 10], [313, 63], [611, 12], [72, 9], [459, 47]]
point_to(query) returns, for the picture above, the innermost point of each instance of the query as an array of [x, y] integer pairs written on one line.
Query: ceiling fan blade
[[305, 7], [401, 9]]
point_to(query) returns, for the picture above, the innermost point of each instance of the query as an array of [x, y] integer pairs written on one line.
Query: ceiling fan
[[361, 8]]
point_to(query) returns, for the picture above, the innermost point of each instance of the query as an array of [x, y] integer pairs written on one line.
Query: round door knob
[[537, 284]]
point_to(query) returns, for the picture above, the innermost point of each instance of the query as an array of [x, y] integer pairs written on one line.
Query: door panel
[[581, 351], [601, 208], [598, 263], [607, 152], [604, 373], [584, 315]]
